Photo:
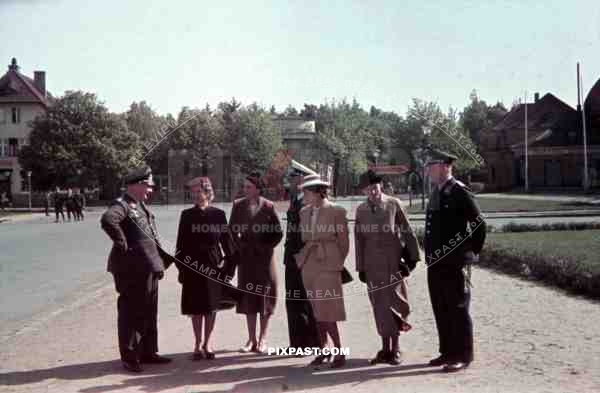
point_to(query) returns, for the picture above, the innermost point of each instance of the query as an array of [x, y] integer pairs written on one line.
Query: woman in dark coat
[[203, 246], [256, 231]]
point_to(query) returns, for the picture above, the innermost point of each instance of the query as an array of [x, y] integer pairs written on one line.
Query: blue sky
[[383, 53]]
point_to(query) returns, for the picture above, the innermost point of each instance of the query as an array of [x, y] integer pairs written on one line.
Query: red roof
[[547, 113], [16, 87], [389, 169]]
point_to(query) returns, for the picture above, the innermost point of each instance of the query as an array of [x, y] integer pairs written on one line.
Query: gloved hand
[[411, 265], [362, 276], [403, 269], [159, 275]]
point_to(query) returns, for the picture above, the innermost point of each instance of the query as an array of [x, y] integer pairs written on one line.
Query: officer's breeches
[[450, 298], [137, 314]]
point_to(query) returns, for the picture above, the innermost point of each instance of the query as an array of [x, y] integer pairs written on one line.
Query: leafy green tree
[[478, 116], [79, 142]]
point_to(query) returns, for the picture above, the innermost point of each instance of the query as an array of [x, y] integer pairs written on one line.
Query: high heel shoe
[[209, 354], [198, 355], [249, 347], [338, 361], [319, 360], [261, 348]]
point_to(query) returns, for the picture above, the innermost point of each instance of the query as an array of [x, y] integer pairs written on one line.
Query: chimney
[[39, 80], [536, 97], [13, 65]]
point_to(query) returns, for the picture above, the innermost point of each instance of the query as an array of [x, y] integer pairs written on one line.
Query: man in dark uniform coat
[[302, 326], [454, 236], [137, 262]]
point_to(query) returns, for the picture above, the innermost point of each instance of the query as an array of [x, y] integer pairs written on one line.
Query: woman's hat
[[313, 181], [368, 178]]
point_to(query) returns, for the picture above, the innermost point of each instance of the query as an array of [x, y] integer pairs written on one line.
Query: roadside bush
[[555, 226], [564, 272]]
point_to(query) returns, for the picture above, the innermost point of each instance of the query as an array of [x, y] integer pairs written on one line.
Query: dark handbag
[[346, 276]]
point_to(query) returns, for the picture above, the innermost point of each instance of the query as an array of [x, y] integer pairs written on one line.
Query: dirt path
[[528, 339]]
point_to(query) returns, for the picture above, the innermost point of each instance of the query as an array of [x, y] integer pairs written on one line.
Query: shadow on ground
[[248, 373]]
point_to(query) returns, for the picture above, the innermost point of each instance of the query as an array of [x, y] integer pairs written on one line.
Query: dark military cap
[[140, 175], [368, 178], [440, 157]]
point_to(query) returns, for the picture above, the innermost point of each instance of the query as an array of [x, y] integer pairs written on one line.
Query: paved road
[[529, 338], [44, 265]]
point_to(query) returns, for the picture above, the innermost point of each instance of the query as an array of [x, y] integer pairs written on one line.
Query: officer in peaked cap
[[454, 236], [137, 261], [302, 327]]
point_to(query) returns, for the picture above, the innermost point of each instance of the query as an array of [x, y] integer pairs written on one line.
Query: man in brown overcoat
[[386, 252]]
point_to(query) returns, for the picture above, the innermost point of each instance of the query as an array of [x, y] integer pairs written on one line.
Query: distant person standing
[[3, 200], [79, 204], [59, 203], [47, 202], [454, 236], [136, 261], [70, 205]]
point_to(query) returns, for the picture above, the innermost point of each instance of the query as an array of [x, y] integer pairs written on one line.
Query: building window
[[2, 116], [24, 181], [3, 147], [16, 115], [13, 147]]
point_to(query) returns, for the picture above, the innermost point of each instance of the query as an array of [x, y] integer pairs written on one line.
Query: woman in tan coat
[[386, 251], [324, 230], [256, 231]]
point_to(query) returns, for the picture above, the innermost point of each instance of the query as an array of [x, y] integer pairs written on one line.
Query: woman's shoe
[[249, 347], [198, 355], [261, 348], [209, 355], [395, 358], [381, 357], [338, 361], [319, 360]]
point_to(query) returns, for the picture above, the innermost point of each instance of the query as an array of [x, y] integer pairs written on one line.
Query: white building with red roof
[[21, 100]]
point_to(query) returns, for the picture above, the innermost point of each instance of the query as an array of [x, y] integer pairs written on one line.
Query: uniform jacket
[[324, 243], [450, 211], [293, 238], [132, 228]]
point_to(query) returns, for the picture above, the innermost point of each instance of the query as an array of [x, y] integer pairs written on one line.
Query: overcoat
[[321, 260], [383, 235], [254, 238]]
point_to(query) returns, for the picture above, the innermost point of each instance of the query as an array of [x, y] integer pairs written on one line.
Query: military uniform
[[137, 262], [449, 251]]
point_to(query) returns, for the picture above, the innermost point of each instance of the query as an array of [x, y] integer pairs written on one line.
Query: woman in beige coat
[[324, 230], [386, 251]]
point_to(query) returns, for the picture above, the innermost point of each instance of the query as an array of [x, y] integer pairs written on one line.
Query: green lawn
[[516, 205], [566, 259], [582, 246]]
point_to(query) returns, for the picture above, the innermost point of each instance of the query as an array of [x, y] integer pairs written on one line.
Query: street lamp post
[[29, 184], [376, 155], [424, 146]]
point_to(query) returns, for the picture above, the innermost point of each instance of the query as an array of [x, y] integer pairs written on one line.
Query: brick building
[[555, 145]]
